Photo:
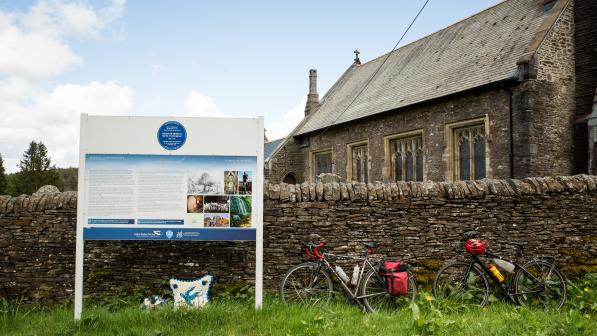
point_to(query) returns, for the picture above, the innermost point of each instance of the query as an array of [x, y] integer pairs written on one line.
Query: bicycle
[[536, 282], [310, 283]]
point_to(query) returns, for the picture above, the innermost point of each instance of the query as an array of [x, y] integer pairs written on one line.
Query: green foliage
[[235, 291], [3, 180], [228, 316], [68, 178], [582, 295], [36, 170]]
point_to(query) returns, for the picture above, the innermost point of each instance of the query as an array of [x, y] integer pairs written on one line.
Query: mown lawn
[[237, 317]]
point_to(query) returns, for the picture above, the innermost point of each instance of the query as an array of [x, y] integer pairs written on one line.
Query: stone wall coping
[[38, 202], [354, 191], [378, 191]]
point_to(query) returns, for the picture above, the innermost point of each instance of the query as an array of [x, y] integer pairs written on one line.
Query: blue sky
[[191, 58]]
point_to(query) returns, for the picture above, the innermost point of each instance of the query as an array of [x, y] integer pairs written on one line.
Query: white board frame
[[257, 206]]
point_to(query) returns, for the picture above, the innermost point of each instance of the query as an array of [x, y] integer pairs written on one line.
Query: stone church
[[503, 93]]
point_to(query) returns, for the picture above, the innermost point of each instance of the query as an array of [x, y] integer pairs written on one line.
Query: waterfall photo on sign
[[240, 211]]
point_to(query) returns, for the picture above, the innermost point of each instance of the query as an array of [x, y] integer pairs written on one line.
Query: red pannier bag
[[396, 277]]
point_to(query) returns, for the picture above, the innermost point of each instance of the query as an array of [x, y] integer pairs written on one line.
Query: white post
[[80, 243], [258, 203]]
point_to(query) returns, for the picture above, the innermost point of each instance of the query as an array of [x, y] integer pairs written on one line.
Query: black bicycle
[[310, 283], [535, 283]]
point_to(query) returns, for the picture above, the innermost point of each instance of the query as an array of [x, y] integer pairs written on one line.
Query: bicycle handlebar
[[312, 249]]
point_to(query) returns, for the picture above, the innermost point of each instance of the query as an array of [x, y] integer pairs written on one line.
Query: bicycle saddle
[[520, 243], [371, 245]]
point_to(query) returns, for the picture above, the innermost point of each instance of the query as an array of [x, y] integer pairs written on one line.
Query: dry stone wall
[[419, 222]]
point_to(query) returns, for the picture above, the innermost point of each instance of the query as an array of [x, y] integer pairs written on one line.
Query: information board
[[160, 178]]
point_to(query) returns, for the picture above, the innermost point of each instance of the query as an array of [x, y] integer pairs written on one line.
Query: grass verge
[[237, 317]]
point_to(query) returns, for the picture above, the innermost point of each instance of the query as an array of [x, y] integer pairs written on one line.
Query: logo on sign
[[172, 135], [169, 234]]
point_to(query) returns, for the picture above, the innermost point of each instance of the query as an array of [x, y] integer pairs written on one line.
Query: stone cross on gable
[[356, 57]]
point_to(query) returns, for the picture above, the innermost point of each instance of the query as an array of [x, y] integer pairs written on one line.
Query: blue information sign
[[97, 233], [172, 135]]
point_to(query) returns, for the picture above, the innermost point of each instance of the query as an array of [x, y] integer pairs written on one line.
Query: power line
[[376, 71]]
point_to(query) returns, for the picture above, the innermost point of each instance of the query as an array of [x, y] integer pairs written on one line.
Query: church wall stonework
[[432, 119], [286, 160], [544, 106], [421, 222]]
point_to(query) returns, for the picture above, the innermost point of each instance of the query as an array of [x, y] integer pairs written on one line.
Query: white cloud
[[33, 43], [280, 128], [199, 105], [33, 55], [68, 18], [53, 118], [34, 47]]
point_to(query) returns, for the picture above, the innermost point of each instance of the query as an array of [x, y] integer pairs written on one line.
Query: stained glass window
[[360, 163], [323, 163], [469, 153], [407, 158]]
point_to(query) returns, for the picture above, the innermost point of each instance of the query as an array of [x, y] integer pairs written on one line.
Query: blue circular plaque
[[172, 135]]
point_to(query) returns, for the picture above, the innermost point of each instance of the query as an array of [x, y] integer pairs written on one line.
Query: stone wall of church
[[286, 160], [544, 106], [432, 118], [419, 222]]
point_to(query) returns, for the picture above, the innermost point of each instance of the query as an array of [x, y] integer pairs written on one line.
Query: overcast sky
[[184, 58]]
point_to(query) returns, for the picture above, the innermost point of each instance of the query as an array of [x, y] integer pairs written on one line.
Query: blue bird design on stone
[[188, 296]]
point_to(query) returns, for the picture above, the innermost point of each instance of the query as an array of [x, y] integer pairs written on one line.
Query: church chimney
[[313, 96]]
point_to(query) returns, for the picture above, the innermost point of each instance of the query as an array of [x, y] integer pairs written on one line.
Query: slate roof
[[476, 51], [270, 146]]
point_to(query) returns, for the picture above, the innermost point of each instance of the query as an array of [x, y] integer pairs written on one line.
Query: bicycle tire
[[448, 284], [372, 284], [553, 296], [295, 286]]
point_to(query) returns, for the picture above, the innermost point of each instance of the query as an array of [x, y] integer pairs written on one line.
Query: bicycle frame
[[508, 290], [322, 261]]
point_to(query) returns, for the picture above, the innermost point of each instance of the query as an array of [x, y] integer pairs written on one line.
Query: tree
[[36, 170], [3, 181]]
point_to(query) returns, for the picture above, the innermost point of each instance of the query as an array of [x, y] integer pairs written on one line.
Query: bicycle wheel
[[540, 284], [377, 297], [306, 284], [450, 284]]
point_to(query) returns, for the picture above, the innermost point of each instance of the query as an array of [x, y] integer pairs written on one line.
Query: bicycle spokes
[[455, 284], [540, 284], [306, 286]]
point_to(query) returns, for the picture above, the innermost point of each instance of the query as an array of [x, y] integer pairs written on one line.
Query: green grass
[[237, 317]]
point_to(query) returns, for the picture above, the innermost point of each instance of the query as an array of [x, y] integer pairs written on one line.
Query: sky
[[61, 58]]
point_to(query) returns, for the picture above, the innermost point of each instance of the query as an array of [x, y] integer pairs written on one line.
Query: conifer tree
[[3, 181], [36, 170]]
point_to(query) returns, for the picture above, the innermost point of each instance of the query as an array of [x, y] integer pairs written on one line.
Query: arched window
[[464, 158], [360, 163], [397, 161], [409, 165], [406, 158], [469, 149], [479, 151], [419, 164], [289, 178], [321, 162]]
